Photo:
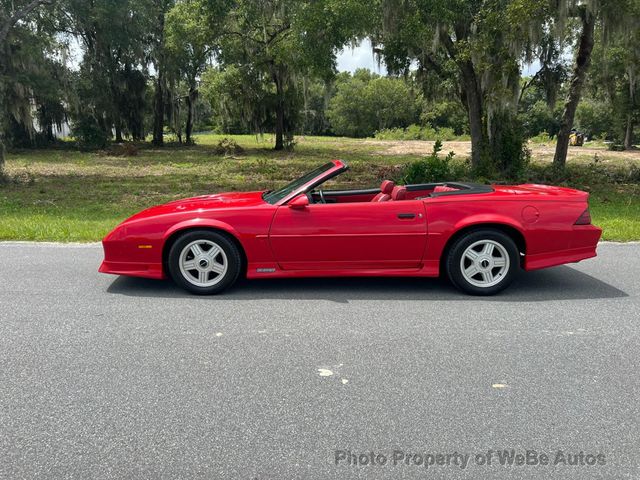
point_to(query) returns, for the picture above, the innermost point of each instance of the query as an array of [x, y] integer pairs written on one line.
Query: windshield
[[277, 195]]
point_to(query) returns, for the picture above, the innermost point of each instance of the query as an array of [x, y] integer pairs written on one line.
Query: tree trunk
[[191, 103], [628, 136], [279, 115], [158, 112], [118, 129], [1, 158], [158, 108], [189, 125], [583, 59], [473, 99]]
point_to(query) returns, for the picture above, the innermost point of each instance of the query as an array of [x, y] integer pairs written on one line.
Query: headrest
[[387, 186], [381, 197], [399, 193], [444, 188]]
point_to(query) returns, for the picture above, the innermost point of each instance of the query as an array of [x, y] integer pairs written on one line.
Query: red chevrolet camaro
[[479, 236]]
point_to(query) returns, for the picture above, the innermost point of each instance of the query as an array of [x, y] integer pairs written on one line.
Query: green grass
[[66, 195], [617, 212]]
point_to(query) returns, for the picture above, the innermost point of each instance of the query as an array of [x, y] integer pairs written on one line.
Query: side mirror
[[299, 202]]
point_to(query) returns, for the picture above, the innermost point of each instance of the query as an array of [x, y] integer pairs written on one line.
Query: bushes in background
[[434, 168], [418, 132]]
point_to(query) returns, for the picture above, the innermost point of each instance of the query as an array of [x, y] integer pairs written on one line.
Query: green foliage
[[596, 119], [269, 65], [31, 76], [365, 103], [434, 168], [445, 114], [467, 42], [542, 137], [276, 43], [114, 39], [507, 154], [238, 99], [88, 134], [315, 95], [418, 132], [538, 117]]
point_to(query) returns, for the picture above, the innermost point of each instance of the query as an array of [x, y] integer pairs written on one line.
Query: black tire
[[231, 251], [454, 256]]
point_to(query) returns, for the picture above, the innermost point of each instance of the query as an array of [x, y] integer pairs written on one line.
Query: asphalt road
[[104, 377]]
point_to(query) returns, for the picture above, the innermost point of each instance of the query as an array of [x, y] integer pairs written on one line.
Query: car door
[[364, 235]]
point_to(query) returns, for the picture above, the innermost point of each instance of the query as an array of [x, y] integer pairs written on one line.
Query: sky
[[351, 59], [362, 56]]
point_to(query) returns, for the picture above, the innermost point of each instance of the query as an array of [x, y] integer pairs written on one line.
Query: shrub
[[542, 137], [433, 168], [228, 147], [418, 132], [89, 135]]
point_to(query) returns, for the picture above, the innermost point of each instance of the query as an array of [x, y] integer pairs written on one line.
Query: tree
[[475, 43], [280, 41], [16, 17], [582, 61], [612, 86], [14, 12], [190, 44], [111, 83], [238, 98], [159, 60], [620, 15], [367, 102]]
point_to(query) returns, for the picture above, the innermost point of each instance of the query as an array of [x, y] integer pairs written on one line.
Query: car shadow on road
[[559, 283]]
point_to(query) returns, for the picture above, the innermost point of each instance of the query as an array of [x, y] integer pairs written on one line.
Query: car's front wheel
[[483, 262], [204, 262]]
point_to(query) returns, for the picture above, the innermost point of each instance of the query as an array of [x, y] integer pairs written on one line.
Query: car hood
[[203, 202]]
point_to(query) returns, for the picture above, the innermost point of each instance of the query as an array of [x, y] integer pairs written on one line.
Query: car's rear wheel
[[483, 262], [204, 262]]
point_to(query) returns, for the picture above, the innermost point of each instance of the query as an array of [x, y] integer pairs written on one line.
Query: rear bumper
[[583, 242], [544, 260]]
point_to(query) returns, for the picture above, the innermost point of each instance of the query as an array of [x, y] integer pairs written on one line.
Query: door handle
[[405, 216]]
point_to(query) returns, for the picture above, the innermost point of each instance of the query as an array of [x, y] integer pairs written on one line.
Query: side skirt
[[429, 269]]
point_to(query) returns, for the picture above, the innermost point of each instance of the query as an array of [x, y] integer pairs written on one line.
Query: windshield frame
[[305, 183]]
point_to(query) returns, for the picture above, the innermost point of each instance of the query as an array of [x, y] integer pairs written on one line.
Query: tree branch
[[19, 15], [448, 44], [435, 66], [528, 84]]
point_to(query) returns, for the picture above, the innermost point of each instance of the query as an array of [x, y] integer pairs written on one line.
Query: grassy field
[[66, 195]]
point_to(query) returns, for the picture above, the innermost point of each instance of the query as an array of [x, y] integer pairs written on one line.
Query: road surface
[[104, 377]]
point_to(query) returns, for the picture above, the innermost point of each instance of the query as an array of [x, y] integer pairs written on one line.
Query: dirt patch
[[539, 151], [418, 147]]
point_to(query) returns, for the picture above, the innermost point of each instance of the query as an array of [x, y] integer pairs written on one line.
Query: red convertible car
[[479, 236]]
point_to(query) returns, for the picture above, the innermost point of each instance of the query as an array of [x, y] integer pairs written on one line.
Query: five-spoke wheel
[[483, 262], [204, 262]]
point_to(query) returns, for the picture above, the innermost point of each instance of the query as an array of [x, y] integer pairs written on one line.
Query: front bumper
[[133, 258], [133, 269]]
